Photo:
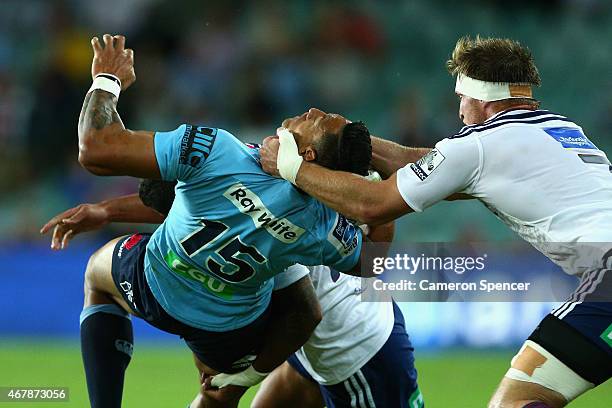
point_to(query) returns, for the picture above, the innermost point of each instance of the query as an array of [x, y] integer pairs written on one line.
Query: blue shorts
[[579, 332], [227, 352], [389, 379]]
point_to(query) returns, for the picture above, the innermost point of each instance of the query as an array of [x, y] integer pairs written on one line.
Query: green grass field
[[165, 377]]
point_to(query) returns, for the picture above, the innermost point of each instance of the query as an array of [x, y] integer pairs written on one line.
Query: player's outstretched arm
[[106, 147], [90, 217], [388, 157]]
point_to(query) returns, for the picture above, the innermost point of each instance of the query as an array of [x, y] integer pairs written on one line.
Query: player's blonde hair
[[493, 60]]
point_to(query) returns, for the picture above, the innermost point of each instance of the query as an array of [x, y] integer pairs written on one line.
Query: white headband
[[490, 91]]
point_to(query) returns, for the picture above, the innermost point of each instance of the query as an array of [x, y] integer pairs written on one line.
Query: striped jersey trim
[[587, 286], [359, 391], [506, 118]]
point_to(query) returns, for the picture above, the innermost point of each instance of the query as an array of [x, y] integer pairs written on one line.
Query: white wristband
[[289, 160], [106, 82], [246, 378]]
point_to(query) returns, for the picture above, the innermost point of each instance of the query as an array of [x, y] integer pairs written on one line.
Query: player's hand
[[268, 154], [82, 218], [111, 57], [228, 396]]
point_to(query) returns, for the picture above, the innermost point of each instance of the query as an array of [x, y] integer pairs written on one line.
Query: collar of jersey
[[504, 112]]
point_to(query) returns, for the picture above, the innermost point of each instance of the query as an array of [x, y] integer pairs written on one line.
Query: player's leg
[[204, 372], [106, 331], [520, 394], [390, 375], [567, 355], [388, 379], [287, 387]]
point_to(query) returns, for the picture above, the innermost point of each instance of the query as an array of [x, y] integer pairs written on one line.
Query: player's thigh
[[100, 287], [285, 387]]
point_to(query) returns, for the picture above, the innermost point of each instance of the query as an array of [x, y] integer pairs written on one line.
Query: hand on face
[[268, 155], [113, 59]]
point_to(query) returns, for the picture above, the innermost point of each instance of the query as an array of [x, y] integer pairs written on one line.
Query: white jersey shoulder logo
[[427, 164]]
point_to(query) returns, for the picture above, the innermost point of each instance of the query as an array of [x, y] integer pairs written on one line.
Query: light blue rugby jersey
[[231, 228]]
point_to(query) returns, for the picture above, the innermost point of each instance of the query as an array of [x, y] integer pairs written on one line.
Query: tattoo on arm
[[99, 111]]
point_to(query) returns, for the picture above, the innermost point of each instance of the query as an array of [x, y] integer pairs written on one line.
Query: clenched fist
[[113, 58]]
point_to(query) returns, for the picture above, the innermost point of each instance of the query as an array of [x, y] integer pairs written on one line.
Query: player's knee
[[92, 272], [98, 275]]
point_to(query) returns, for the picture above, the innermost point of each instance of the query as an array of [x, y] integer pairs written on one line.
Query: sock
[[536, 405], [106, 347]]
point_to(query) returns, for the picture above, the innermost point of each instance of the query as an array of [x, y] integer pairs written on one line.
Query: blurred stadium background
[[245, 66]]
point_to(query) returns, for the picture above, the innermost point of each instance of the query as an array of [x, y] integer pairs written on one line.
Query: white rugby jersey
[[351, 331], [536, 170]]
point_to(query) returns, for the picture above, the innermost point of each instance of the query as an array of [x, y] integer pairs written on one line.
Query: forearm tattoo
[[99, 111]]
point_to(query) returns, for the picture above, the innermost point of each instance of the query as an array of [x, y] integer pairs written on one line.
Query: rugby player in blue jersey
[[342, 363], [206, 272]]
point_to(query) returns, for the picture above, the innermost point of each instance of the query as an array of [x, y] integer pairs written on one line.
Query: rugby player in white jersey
[[534, 169], [358, 356]]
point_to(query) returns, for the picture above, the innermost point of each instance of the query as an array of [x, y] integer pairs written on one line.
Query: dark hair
[[157, 194], [494, 60], [350, 151]]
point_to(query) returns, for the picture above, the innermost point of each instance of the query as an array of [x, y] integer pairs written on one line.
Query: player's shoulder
[[196, 142], [510, 119]]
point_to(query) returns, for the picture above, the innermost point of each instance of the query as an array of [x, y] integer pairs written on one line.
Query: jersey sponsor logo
[[250, 204], [196, 145], [344, 236], [214, 286], [427, 164], [570, 138]]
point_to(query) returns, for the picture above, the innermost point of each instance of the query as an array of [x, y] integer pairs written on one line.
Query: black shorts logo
[[127, 289]]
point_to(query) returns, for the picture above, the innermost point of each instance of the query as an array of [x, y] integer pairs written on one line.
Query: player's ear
[[309, 154]]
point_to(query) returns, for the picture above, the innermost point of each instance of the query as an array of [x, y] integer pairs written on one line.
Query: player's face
[[471, 111], [312, 125]]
